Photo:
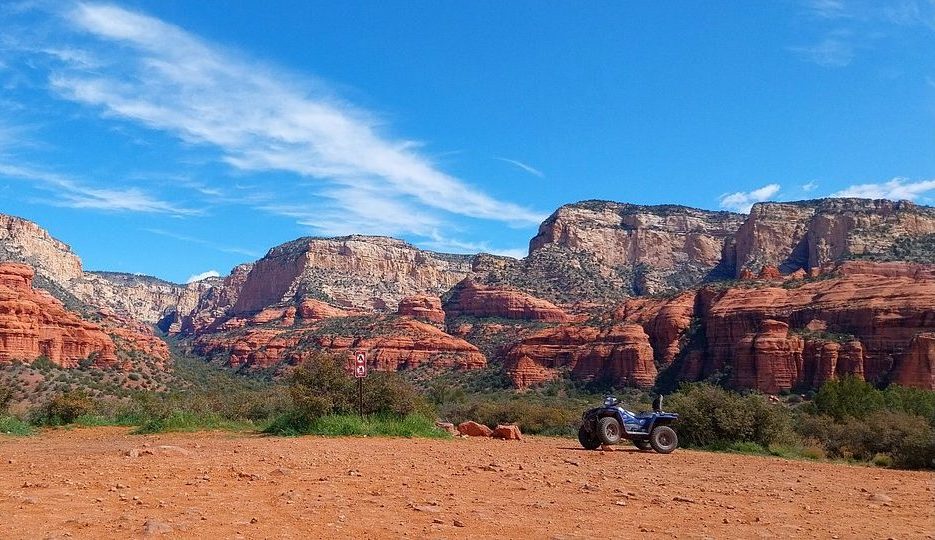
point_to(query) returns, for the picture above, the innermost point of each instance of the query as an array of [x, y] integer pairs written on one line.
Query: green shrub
[[321, 386], [710, 416], [908, 439], [882, 460], [6, 397], [43, 363], [848, 397], [910, 400], [66, 407], [10, 425], [387, 393]]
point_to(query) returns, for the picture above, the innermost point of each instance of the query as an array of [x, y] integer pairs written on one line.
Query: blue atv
[[610, 423]]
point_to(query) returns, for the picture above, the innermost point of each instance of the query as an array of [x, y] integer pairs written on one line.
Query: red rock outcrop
[[769, 272], [423, 307], [471, 299], [33, 324], [772, 359], [875, 316], [131, 334], [874, 323], [390, 343], [620, 354], [889, 269], [664, 321], [917, 367]]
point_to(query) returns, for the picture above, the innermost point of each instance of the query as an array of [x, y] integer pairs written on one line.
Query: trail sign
[[360, 371], [360, 366]]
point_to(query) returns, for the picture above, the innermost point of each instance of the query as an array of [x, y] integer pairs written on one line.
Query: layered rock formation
[[815, 301], [472, 299], [917, 367], [33, 324], [874, 321], [620, 355], [363, 272], [25, 242], [423, 307], [143, 298], [391, 343], [808, 234], [647, 249]]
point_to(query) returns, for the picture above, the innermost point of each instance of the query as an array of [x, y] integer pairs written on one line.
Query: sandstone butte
[[33, 324], [620, 353], [424, 308], [472, 299], [873, 321]]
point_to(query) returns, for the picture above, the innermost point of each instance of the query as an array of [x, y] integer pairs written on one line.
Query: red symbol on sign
[[360, 366]]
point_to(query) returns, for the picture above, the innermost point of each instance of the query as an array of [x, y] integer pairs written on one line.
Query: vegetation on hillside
[[847, 419]]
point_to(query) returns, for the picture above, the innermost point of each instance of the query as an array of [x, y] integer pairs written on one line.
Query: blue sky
[[176, 138]]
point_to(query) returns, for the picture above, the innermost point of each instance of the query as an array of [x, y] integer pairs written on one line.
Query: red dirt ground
[[106, 483]]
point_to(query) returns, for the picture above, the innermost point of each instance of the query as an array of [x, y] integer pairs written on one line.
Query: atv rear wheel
[[663, 439], [588, 440], [643, 444], [608, 428]]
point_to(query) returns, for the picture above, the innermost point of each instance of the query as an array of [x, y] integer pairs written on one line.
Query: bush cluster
[[712, 417], [320, 387], [65, 408], [848, 419]]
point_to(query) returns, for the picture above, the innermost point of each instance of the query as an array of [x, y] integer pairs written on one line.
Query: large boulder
[[473, 429], [509, 432]]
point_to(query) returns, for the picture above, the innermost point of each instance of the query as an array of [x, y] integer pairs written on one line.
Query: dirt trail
[[105, 483]]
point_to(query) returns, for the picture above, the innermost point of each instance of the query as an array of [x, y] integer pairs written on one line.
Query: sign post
[[360, 371]]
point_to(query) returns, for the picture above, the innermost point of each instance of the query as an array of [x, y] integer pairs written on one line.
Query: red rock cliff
[[34, 324], [474, 300], [621, 354]]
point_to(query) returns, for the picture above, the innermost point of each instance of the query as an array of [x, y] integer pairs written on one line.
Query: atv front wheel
[[663, 439], [609, 430], [643, 444], [588, 440]]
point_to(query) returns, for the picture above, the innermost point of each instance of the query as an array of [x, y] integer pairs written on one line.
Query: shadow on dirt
[[579, 449]]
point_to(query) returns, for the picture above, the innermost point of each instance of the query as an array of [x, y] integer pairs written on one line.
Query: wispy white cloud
[[896, 189], [203, 275], [528, 168], [262, 119], [829, 52], [69, 193], [809, 186], [200, 241], [828, 9], [847, 26], [742, 201]]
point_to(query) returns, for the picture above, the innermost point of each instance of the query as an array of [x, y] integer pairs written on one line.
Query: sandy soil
[[105, 483]]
